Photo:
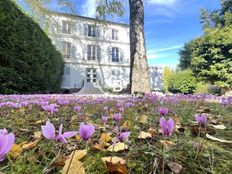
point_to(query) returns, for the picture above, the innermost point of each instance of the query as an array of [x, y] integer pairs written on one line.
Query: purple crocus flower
[[77, 108], [86, 131], [121, 109], [49, 132], [117, 116], [201, 119], [123, 136], [6, 142], [104, 119], [51, 108], [105, 108], [167, 126], [163, 111]]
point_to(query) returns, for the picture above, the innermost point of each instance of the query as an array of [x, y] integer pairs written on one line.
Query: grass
[[195, 154]]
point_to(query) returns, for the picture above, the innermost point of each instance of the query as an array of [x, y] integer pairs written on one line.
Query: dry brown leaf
[[167, 144], [115, 165], [15, 151], [153, 131], [105, 137], [73, 165], [217, 139], [144, 135], [175, 167], [143, 119], [117, 147], [30, 144]]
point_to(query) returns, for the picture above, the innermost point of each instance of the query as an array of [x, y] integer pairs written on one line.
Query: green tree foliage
[[166, 76], [29, 62], [210, 56], [182, 82]]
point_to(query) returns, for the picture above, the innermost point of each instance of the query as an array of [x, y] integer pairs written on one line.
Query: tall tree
[[139, 77]]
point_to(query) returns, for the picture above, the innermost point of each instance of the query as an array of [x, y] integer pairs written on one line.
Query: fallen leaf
[[15, 151], [115, 165], [37, 134], [143, 119], [144, 135], [152, 131], [98, 147], [167, 144], [77, 137], [105, 137], [175, 167], [73, 165], [126, 125], [217, 139], [30, 144], [221, 127], [117, 147]]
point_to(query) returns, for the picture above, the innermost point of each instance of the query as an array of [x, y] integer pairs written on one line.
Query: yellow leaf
[[105, 137], [30, 145], [126, 125], [143, 119], [73, 165], [114, 159], [117, 147], [77, 137], [144, 135], [37, 134], [15, 151]]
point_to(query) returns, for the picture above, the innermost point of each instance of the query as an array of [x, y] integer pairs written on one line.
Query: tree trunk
[[139, 72]]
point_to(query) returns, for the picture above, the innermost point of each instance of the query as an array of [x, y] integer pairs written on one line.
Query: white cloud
[[173, 47], [162, 2], [154, 56], [89, 8]]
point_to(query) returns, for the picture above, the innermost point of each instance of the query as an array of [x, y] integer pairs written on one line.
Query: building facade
[[94, 51]]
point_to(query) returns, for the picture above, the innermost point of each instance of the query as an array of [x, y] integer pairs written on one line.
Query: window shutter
[[98, 53], [73, 52], [85, 30], [121, 55]]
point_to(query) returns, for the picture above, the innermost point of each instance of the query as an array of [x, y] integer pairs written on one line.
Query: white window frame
[[114, 34], [92, 52], [91, 31], [91, 75], [115, 54], [66, 49], [66, 27]]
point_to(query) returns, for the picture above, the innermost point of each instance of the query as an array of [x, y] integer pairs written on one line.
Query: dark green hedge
[[29, 63]]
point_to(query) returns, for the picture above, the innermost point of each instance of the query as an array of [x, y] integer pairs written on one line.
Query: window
[[92, 52], [91, 31], [114, 34], [66, 70], [91, 75], [66, 28], [115, 54], [66, 50]]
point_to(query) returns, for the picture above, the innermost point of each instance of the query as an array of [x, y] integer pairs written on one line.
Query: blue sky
[[168, 24]]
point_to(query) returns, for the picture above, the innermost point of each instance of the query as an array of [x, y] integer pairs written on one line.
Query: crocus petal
[[69, 134], [170, 125], [3, 131], [61, 138], [91, 130], [48, 131], [60, 129]]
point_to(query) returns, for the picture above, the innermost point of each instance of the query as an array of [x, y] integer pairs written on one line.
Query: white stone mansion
[[94, 51]]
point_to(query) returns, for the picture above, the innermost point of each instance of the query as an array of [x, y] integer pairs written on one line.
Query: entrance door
[[91, 75]]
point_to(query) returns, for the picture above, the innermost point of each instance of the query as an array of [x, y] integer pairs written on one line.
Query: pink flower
[[167, 126], [104, 119], [49, 132], [201, 119], [117, 116], [123, 136], [86, 131], [6, 142], [77, 108], [163, 111]]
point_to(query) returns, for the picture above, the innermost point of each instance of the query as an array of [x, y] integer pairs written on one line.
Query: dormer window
[[114, 34], [66, 27], [91, 31]]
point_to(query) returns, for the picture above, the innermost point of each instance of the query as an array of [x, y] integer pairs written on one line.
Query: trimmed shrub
[[29, 63], [182, 82], [215, 90], [201, 88]]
